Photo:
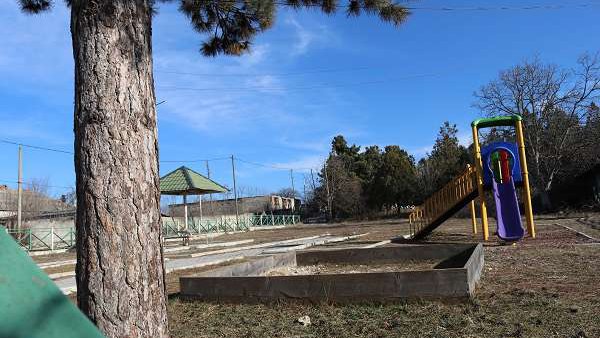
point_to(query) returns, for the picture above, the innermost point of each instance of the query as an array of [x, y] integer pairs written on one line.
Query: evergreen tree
[[120, 274], [396, 182], [447, 159], [368, 181]]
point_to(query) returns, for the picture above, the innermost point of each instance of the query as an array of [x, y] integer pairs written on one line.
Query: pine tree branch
[[35, 6], [233, 24]]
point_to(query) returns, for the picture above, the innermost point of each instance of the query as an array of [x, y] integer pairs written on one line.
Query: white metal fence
[[43, 239]]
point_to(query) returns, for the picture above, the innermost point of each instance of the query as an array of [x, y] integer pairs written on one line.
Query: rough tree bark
[[120, 277]]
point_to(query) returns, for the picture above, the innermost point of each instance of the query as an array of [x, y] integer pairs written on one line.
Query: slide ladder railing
[[427, 216]]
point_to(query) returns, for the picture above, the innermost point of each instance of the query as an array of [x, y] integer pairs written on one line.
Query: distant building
[[6, 202], [247, 205], [36, 208]]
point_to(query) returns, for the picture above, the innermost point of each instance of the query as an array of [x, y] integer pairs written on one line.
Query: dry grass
[[56, 257], [547, 287]]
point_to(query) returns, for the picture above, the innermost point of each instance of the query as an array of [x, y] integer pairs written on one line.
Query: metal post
[[328, 192], [210, 204], [52, 239], [479, 169], [525, 174], [200, 224], [185, 212], [237, 212], [200, 205], [473, 217], [20, 191], [292, 178], [465, 191]]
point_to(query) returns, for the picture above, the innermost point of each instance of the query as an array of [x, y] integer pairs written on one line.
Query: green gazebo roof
[[185, 181]]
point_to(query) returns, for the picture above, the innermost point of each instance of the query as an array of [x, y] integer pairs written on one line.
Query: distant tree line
[[357, 182]]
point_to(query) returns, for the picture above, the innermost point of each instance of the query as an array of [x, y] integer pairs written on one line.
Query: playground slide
[[425, 231], [510, 227], [442, 205]]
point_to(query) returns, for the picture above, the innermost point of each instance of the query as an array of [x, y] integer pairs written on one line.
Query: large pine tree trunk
[[120, 276]]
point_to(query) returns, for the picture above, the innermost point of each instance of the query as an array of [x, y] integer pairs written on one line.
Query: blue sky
[[308, 79]]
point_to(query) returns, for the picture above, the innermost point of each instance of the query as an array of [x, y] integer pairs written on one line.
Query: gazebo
[[184, 181]]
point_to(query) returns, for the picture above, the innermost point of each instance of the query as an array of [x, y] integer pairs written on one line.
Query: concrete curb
[[57, 264], [257, 246], [206, 246]]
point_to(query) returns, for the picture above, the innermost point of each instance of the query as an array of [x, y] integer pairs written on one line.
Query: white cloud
[[305, 37], [304, 164], [313, 144], [266, 84], [257, 54]]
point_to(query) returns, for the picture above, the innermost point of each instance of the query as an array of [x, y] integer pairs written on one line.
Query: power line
[[162, 161], [270, 165], [314, 71], [36, 147], [70, 152], [196, 160], [40, 184], [324, 86]]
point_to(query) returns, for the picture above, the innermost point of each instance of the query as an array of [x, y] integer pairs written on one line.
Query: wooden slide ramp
[[443, 204]]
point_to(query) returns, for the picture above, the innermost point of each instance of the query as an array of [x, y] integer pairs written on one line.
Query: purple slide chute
[[510, 227]]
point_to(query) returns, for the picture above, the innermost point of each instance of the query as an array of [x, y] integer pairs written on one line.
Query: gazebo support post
[[185, 213], [200, 204]]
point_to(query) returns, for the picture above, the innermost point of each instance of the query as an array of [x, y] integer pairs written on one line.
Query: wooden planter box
[[455, 276]]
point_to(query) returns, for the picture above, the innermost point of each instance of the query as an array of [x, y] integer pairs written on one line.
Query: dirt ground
[[324, 269], [59, 269], [543, 287]]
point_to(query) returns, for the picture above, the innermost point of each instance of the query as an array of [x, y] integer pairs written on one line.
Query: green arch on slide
[[500, 121]]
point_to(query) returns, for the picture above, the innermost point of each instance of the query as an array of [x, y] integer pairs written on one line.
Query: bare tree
[[554, 104], [69, 198], [287, 192], [35, 197]]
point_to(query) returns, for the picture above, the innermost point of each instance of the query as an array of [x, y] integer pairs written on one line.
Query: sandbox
[[382, 274]]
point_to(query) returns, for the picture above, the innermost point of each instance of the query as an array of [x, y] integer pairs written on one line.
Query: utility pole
[[328, 193], [292, 178], [212, 212], [237, 212], [20, 190], [304, 187]]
